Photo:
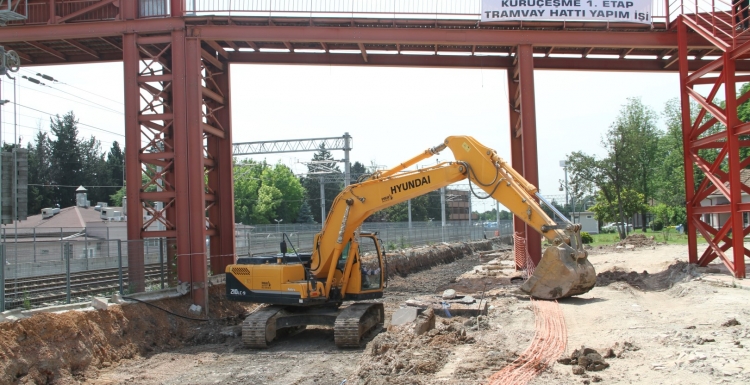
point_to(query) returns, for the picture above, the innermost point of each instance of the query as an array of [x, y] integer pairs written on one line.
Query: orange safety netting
[[522, 258]]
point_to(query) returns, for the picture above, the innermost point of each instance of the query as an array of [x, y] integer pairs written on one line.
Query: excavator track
[[356, 321], [259, 328]]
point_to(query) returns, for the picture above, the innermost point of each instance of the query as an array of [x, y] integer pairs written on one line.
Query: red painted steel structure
[[716, 143], [177, 108]]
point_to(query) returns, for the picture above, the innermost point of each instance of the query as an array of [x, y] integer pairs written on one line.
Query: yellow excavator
[[347, 264]]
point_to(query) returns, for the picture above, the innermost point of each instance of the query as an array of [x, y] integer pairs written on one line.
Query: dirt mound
[[64, 348], [404, 354], [405, 262], [637, 240], [675, 273]]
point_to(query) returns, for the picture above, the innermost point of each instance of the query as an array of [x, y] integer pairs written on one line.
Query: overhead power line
[[82, 124], [50, 78]]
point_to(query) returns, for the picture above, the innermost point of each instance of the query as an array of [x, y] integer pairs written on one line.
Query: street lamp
[[277, 223]]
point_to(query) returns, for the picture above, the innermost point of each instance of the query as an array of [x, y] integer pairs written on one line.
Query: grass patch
[[672, 237]]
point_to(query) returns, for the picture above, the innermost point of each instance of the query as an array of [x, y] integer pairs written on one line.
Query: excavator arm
[[564, 269]]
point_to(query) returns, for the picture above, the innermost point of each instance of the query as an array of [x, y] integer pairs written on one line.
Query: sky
[[392, 114]]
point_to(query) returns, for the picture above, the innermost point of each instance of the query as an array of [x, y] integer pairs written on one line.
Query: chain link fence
[[38, 271], [264, 239], [40, 274]]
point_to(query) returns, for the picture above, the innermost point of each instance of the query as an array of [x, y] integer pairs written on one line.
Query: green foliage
[[269, 200], [665, 216], [305, 213], [64, 159], [624, 178], [656, 225], [263, 193], [26, 300], [586, 238], [631, 203]]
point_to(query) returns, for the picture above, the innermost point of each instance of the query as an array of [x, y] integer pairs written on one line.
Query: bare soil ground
[[661, 319]]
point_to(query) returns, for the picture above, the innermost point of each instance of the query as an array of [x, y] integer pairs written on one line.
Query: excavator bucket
[[561, 273]]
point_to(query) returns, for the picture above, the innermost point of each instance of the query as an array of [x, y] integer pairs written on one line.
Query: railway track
[[53, 289]]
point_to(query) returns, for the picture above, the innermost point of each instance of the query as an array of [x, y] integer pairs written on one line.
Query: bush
[[656, 225], [586, 237]]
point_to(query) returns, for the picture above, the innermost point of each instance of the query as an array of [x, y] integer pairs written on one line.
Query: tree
[[630, 203], [263, 193], [247, 182], [115, 168], [357, 171], [292, 192], [305, 213], [622, 173], [269, 200], [40, 174], [66, 157], [640, 123], [94, 170]]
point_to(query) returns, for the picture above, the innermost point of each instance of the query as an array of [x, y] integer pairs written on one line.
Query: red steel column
[[131, 62], [735, 184], [686, 131], [516, 144], [528, 123], [182, 155], [177, 8], [195, 169], [221, 180]]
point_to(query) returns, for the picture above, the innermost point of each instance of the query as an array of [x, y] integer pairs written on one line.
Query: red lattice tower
[[715, 140]]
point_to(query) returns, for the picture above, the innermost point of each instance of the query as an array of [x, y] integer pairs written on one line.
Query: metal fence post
[[2, 277], [67, 248], [119, 263], [34, 244], [161, 261]]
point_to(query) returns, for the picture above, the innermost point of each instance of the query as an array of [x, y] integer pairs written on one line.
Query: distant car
[[615, 226]]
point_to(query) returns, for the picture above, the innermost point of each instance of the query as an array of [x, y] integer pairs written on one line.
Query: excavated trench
[[69, 347]]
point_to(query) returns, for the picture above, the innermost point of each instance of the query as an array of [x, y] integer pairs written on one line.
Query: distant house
[[717, 220], [457, 202], [587, 220]]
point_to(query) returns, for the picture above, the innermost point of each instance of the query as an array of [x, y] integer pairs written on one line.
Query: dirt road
[[663, 327]]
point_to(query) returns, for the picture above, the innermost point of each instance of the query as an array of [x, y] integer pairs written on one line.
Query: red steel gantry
[[715, 141], [177, 96]]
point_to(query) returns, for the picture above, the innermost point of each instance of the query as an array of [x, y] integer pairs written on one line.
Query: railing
[[394, 9], [723, 19], [39, 10]]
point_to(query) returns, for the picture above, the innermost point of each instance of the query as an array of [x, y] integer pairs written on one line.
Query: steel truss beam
[[523, 146], [712, 145], [291, 145]]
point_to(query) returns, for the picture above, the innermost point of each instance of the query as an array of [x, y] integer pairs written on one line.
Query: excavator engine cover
[[561, 274]]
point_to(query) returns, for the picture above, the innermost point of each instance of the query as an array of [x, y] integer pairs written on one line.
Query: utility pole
[[322, 204], [347, 165], [408, 203]]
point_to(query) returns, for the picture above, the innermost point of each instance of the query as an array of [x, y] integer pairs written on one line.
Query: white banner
[[632, 11]]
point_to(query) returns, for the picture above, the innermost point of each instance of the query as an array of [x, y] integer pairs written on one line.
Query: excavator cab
[[368, 273]]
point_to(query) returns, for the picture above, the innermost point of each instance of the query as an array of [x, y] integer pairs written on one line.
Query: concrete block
[[116, 299], [195, 309], [99, 304], [404, 316], [183, 288]]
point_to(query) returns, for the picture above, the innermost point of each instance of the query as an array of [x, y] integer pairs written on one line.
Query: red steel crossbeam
[[714, 133]]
